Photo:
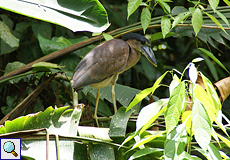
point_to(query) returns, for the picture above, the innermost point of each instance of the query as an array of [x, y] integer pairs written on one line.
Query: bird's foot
[[96, 119]]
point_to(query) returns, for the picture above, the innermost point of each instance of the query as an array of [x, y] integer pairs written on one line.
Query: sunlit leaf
[[132, 6], [215, 21], [197, 59], [107, 36], [144, 152], [145, 18], [174, 107], [165, 26], [186, 119], [77, 15], [7, 36], [173, 83], [197, 20], [118, 124], [201, 125], [146, 92], [213, 4], [180, 18], [227, 2], [148, 112], [175, 142], [46, 65], [222, 17]]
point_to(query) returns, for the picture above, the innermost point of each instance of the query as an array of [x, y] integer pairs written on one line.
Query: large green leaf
[[165, 25], [146, 92], [174, 107], [197, 20], [132, 6], [201, 125], [7, 36], [145, 18], [176, 142], [77, 15], [119, 122]]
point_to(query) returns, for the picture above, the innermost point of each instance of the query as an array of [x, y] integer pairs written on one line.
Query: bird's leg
[[113, 98], [95, 112]]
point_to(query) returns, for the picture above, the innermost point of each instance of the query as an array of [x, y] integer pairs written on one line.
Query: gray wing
[[100, 63]]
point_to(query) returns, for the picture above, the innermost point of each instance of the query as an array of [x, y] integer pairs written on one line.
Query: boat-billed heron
[[102, 65]]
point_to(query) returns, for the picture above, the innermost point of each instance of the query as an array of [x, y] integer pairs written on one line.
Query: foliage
[[191, 121]]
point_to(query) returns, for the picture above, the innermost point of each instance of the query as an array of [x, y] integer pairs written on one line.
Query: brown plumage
[[102, 65]]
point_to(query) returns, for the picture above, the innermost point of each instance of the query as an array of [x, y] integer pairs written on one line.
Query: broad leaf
[[145, 18], [175, 106], [201, 125], [132, 6], [119, 122], [148, 112], [7, 36], [213, 4], [144, 152], [165, 26], [176, 142], [77, 15], [215, 21], [197, 20], [146, 92], [180, 18]]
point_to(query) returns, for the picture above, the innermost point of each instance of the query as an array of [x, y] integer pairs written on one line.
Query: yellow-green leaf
[[145, 18], [165, 25], [216, 21], [197, 20]]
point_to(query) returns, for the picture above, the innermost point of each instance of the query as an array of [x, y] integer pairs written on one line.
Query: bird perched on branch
[[102, 65]]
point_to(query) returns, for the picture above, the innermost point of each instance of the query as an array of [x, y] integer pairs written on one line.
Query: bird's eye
[[142, 42]]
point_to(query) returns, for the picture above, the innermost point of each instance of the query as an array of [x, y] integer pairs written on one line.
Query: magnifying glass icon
[[9, 147]]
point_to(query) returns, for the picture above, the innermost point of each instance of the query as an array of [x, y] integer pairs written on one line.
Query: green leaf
[[77, 15], [206, 100], [144, 152], [99, 151], [107, 36], [132, 6], [119, 122], [148, 112], [211, 92], [215, 21], [214, 58], [165, 6], [197, 20], [147, 139], [46, 65], [7, 36], [159, 35], [165, 26], [13, 66], [174, 107], [145, 18], [211, 67], [145, 92], [201, 125], [227, 2], [180, 18], [213, 4], [176, 142], [152, 119], [222, 17]]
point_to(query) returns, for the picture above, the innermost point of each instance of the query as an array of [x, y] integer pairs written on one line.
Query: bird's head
[[141, 44]]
